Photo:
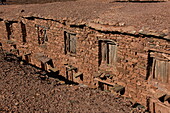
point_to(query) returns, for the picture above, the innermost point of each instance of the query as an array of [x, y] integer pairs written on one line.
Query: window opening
[[160, 67], [161, 70], [70, 40], [24, 33], [9, 30], [42, 34], [107, 52]]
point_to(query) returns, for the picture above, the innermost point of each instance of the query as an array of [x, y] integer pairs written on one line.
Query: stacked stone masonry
[[32, 38]]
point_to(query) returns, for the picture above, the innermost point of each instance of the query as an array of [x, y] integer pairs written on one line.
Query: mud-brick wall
[[139, 62], [130, 69], [132, 62], [3, 33], [132, 59], [14, 35], [86, 57], [132, 65]]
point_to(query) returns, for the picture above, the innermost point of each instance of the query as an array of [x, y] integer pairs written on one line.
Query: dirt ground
[[24, 90], [152, 17], [9, 2]]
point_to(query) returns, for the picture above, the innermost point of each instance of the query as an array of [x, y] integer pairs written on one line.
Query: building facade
[[118, 59]]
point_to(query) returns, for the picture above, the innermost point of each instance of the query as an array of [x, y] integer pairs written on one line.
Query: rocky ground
[[22, 89], [9, 2], [146, 16]]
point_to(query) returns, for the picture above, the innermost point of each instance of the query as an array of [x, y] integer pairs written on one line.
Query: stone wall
[[131, 70]]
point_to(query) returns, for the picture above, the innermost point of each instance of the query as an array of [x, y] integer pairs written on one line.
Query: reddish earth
[[23, 90], [9, 2], [146, 16]]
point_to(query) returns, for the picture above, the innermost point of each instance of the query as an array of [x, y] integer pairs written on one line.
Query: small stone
[[167, 37], [83, 85], [21, 62], [37, 94], [133, 32], [16, 103], [141, 31], [121, 24], [166, 31]]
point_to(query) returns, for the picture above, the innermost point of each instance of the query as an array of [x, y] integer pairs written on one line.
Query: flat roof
[[143, 16]]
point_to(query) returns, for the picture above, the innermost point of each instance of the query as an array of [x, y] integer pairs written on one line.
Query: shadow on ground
[[43, 74]]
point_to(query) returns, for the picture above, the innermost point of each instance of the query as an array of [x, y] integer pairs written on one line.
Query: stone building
[[132, 59]]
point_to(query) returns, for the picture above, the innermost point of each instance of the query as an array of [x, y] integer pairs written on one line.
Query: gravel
[[154, 16], [22, 90]]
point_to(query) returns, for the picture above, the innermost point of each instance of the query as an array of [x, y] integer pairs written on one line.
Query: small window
[[9, 30], [42, 34], [161, 70], [24, 33], [159, 66], [70, 40], [107, 52]]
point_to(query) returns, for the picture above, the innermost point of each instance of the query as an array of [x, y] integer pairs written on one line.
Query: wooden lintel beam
[[103, 81], [157, 50]]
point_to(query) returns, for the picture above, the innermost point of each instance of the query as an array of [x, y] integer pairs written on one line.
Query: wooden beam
[[54, 69], [77, 74], [157, 50], [103, 81]]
